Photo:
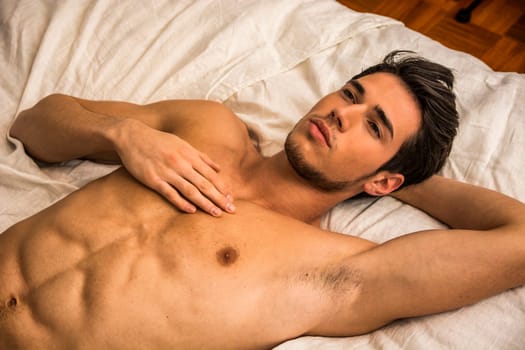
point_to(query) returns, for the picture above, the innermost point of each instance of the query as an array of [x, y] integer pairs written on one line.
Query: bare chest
[[133, 262]]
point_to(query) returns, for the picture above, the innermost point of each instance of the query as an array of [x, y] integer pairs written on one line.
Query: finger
[[193, 194], [196, 172], [208, 189], [212, 177], [171, 194], [210, 162]]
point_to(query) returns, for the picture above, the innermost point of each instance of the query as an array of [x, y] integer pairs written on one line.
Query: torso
[[115, 266]]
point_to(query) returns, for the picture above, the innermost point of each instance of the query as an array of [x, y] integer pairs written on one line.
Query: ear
[[383, 184]]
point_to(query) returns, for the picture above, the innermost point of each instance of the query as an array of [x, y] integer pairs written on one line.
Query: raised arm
[[61, 128], [439, 270]]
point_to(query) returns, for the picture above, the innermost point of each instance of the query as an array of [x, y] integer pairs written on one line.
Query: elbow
[[29, 123], [23, 128], [19, 127], [28, 118]]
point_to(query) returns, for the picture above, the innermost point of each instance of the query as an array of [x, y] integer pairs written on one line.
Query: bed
[[268, 61]]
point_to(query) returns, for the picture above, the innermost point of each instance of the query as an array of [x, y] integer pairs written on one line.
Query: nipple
[[227, 256]]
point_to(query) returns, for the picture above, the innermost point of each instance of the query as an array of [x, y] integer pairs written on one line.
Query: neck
[[274, 184]]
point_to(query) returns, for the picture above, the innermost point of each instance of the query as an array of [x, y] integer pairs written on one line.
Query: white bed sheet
[[269, 61]]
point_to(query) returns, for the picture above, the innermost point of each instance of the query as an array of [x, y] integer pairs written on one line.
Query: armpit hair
[[338, 278]]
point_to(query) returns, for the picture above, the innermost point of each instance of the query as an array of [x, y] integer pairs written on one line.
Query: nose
[[344, 116]]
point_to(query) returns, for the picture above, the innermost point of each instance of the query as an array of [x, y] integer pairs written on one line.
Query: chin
[[315, 177]]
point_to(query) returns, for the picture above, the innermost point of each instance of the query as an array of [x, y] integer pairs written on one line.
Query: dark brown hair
[[431, 85]]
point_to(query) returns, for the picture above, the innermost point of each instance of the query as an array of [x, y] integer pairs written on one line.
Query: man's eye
[[375, 129], [349, 94]]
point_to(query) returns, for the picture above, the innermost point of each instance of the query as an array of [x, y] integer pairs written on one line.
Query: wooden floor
[[495, 33]]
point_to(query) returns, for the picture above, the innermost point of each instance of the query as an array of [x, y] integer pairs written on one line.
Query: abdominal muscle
[[129, 271]]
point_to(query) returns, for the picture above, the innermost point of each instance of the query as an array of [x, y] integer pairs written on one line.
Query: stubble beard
[[308, 172]]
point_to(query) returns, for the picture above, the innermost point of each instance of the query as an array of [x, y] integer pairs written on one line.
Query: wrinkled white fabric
[[269, 61]]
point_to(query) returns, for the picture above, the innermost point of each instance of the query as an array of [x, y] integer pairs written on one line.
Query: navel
[[8, 307], [227, 256], [12, 303]]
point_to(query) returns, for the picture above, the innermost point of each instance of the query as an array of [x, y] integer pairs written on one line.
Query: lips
[[323, 131]]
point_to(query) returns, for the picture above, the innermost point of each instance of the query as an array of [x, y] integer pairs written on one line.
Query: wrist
[[116, 132], [113, 137]]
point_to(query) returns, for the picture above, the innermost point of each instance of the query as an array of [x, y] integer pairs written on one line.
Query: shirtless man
[[115, 265]]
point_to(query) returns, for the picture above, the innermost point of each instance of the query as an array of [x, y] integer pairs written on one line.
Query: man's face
[[351, 132]]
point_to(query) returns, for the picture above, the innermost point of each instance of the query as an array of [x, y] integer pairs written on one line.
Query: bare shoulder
[[195, 112], [203, 122]]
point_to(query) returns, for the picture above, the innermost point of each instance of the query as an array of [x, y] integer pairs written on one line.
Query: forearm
[[463, 206], [58, 128]]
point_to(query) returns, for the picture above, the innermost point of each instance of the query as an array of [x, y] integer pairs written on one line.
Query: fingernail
[[215, 211], [230, 207], [229, 197]]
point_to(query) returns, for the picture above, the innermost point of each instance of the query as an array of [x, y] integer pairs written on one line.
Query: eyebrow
[[357, 85], [384, 119], [381, 114]]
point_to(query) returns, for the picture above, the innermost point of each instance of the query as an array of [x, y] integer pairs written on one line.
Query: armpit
[[338, 278]]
